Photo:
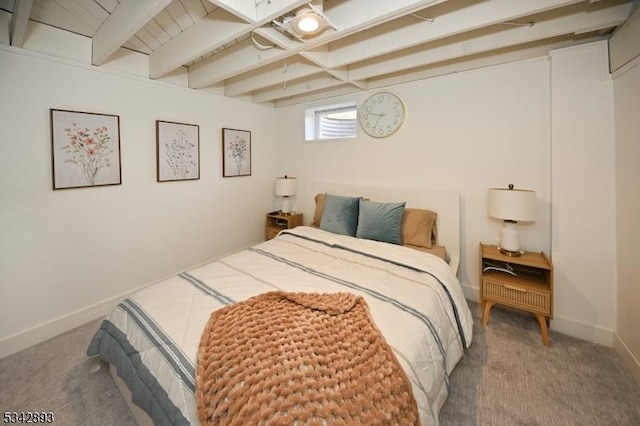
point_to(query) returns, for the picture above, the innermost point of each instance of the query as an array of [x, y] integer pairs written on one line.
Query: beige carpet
[[507, 378], [55, 376]]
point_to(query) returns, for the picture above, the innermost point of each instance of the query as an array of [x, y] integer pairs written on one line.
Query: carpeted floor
[[506, 378], [54, 376]]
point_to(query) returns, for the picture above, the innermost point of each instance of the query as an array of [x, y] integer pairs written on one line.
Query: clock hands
[[379, 117], [376, 125]]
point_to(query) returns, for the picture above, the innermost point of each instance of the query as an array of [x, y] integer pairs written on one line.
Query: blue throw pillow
[[380, 221], [340, 214]]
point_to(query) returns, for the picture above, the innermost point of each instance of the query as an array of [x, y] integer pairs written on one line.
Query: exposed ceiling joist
[[345, 89], [231, 62], [19, 20], [450, 19], [209, 34], [298, 87], [209, 71], [235, 48], [481, 60], [276, 73], [575, 23], [125, 20]]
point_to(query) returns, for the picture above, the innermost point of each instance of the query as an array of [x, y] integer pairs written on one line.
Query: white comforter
[[414, 298]]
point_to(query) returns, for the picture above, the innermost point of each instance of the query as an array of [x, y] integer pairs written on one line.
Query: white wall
[[627, 106], [465, 132], [66, 255], [485, 128], [583, 188]]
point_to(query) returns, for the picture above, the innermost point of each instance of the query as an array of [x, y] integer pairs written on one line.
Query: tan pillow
[[419, 227], [317, 214]]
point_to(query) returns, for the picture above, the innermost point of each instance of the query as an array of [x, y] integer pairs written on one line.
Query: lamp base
[[286, 206], [510, 239], [510, 253]]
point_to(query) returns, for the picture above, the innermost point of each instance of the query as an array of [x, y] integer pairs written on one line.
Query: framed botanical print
[[85, 149], [236, 152], [178, 151]]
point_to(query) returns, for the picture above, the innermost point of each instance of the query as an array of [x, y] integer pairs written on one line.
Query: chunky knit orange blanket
[[300, 358]]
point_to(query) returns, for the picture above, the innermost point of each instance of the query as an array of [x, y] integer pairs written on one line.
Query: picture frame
[[177, 151], [236, 152], [85, 149]]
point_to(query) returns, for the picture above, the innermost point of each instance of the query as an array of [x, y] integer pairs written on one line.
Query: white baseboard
[[41, 332], [561, 324], [470, 292], [582, 331], [628, 358]]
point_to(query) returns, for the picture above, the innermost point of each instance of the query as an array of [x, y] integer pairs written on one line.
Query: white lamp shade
[[286, 186], [518, 205]]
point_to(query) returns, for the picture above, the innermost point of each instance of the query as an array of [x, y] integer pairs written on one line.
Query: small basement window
[[331, 122]]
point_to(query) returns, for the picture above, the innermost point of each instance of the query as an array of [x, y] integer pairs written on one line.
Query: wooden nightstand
[[276, 222], [530, 290]]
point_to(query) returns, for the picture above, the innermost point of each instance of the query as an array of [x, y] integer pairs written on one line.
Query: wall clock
[[382, 114]]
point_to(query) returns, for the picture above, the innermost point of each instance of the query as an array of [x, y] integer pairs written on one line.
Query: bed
[[151, 339]]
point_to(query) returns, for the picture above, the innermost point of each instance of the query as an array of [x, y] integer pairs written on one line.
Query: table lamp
[[286, 187], [512, 206]]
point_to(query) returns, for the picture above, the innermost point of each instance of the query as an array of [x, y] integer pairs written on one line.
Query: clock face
[[382, 114]]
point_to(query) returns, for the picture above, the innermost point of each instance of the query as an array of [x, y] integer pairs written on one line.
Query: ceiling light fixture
[[308, 21]]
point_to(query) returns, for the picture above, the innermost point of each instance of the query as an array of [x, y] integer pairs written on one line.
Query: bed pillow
[[380, 221], [419, 227], [317, 214], [340, 214]]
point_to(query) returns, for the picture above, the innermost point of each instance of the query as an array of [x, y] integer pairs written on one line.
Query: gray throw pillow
[[340, 214], [380, 221]]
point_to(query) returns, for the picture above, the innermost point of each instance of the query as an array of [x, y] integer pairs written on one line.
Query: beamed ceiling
[[232, 47]]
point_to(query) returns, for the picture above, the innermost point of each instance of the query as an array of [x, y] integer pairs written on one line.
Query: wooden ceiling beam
[[412, 31], [345, 89], [123, 23], [276, 73], [350, 17], [483, 60], [582, 21], [297, 87], [19, 21], [208, 34]]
